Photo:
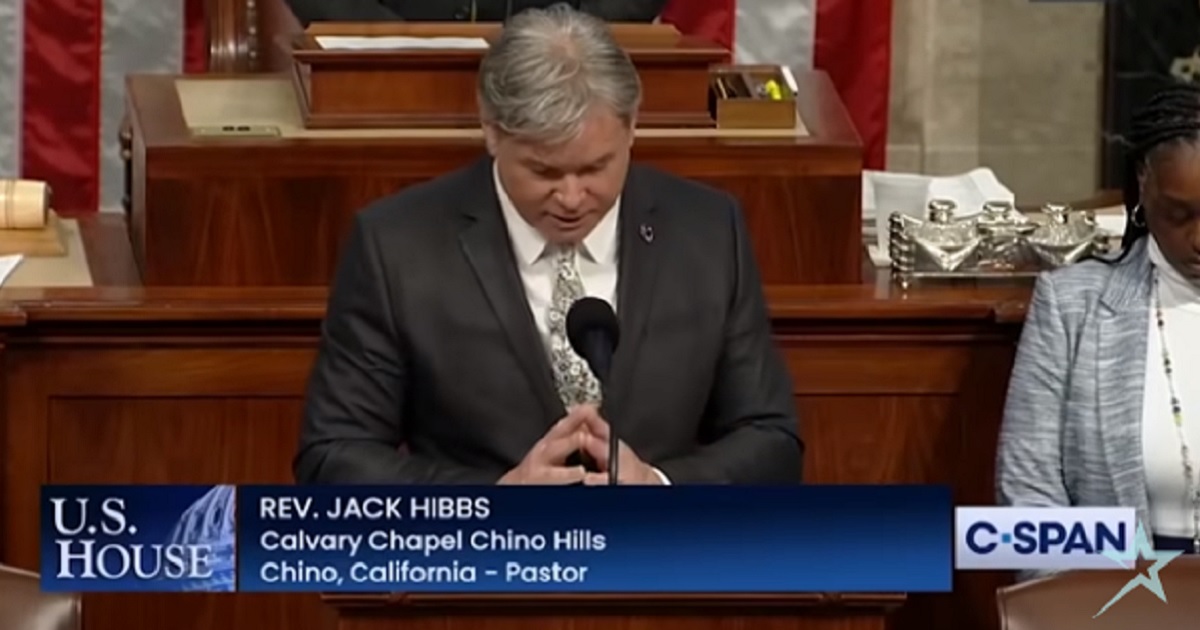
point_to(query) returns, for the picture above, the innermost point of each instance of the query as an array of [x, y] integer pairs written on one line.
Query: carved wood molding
[[125, 140], [592, 603], [232, 35]]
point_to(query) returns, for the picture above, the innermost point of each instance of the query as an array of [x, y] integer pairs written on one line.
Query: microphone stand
[[603, 361], [613, 447], [613, 443]]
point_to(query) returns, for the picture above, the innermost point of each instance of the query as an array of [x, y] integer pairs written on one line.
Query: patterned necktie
[[574, 379]]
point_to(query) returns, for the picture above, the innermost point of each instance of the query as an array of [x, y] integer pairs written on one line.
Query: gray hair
[[548, 68]]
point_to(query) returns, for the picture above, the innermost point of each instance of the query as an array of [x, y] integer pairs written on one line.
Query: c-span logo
[[1150, 580], [1047, 538]]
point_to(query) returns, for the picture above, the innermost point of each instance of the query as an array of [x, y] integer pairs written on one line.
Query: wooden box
[[753, 97], [436, 87]]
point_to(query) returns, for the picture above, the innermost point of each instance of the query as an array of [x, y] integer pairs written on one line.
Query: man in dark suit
[[444, 358], [308, 11]]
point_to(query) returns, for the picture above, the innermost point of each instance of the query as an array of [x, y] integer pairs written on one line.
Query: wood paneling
[[708, 612], [103, 402], [274, 211], [356, 89], [887, 403], [168, 435], [138, 386], [233, 41], [852, 429], [123, 384]]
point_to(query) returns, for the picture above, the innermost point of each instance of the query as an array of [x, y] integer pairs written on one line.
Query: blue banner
[[683, 539]]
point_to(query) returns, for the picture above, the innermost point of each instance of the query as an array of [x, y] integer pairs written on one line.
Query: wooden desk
[[123, 384], [813, 611], [273, 210]]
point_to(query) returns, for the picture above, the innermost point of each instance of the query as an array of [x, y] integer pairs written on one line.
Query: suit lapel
[[641, 245], [488, 249], [1120, 375]]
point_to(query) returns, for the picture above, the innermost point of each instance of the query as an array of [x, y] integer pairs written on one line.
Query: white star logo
[[1150, 580]]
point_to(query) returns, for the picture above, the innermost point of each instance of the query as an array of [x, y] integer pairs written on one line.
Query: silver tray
[[1000, 243]]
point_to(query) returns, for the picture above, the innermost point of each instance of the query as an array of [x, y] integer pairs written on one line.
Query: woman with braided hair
[[1103, 405]]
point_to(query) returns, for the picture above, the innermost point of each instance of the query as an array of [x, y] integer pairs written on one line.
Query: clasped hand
[[582, 430]]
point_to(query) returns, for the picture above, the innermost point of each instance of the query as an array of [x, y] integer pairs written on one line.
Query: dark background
[[1144, 38]]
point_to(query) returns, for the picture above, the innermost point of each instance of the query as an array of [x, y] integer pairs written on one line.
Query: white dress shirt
[[1170, 508], [596, 260]]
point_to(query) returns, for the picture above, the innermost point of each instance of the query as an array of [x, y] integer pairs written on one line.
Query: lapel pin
[[647, 233]]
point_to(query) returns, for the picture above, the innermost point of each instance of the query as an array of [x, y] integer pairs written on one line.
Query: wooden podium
[[267, 202], [238, 180], [435, 87], [196, 385], [616, 612]]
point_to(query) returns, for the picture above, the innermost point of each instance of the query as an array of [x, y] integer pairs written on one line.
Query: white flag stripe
[[139, 37], [775, 31], [11, 60]]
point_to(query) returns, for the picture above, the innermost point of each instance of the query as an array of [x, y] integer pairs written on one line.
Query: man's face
[[563, 190]]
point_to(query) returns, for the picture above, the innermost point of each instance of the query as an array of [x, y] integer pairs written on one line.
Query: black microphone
[[593, 331]]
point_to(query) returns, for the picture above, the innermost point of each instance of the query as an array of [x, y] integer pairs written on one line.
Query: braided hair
[[1171, 116]]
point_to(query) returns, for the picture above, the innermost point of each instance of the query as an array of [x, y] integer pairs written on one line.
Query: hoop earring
[[1138, 217]]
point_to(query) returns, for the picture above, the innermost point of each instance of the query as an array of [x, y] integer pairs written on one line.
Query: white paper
[[7, 265], [884, 193], [399, 42], [969, 191], [1111, 220]]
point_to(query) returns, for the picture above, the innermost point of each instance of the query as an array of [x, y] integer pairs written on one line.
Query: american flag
[[849, 39], [63, 63], [62, 86]]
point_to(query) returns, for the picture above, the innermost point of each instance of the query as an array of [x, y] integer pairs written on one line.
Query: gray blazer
[[1072, 422]]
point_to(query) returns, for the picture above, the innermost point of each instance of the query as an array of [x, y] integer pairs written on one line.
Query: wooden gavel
[[24, 204]]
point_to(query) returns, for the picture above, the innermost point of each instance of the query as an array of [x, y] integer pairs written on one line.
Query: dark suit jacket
[[308, 11], [429, 343]]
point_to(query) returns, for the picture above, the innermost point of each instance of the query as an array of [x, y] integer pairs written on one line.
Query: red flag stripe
[[713, 19], [853, 44], [62, 118], [195, 38], [60, 124]]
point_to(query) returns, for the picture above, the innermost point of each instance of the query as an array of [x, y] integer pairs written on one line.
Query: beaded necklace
[[1193, 491]]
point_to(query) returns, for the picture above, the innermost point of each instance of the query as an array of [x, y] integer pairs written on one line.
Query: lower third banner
[[683, 539]]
